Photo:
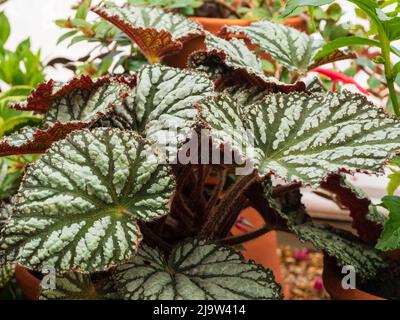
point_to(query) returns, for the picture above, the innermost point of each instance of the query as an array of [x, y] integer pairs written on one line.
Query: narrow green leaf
[[345, 42], [394, 182], [5, 29]]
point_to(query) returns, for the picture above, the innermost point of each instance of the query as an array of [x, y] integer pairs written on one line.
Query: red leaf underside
[[368, 231]]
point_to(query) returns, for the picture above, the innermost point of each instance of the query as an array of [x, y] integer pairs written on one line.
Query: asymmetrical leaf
[[42, 98], [157, 33], [302, 137], [30, 140], [367, 220], [72, 286], [390, 237], [234, 54], [196, 269], [293, 49], [79, 205], [344, 246], [73, 106], [161, 106]]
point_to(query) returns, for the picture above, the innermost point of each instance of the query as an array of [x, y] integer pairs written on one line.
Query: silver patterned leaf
[[345, 247], [78, 104], [196, 269], [157, 33], [79, 205], [161, 106], [291, 48], [302, 137], [234, 54]]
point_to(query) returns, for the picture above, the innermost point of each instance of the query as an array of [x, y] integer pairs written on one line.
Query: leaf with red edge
[[233, 56], [33, 140], [367, 220], [42, 98], [291, 48], [76, 105], [156, 32]]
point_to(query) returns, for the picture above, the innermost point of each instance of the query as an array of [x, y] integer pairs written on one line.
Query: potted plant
[[120, 204]]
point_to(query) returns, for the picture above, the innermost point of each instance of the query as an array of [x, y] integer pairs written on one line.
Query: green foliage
[[390, 237]]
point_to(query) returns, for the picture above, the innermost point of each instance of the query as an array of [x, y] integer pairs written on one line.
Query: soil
[[302, 272]]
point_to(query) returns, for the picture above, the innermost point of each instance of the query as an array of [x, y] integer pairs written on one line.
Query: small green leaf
[[344, 42], [292, 5], [83, 9], [196, 269], [390, 237], [5, 29], [394, 182], [79, 205]]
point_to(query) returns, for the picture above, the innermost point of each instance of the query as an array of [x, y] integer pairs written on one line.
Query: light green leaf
[[302, 137], [345, 247], [292, 5], [345, 42], [5, 29], [79, 205], [390, 236], [394, 182], [196, 269]]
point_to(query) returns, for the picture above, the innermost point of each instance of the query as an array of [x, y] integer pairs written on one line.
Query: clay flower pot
[[262, 250], [332, 282], [29, 284], [214, 25]]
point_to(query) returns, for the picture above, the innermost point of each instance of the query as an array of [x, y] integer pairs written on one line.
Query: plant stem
[[313, 27], [236, 240], [388, 71]]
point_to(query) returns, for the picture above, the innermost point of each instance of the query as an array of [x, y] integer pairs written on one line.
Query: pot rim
[[332, 283]]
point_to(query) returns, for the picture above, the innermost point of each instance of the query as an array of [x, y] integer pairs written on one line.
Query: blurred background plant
[[21, 70]]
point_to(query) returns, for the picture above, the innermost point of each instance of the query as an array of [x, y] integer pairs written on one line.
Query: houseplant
[[118, 203]]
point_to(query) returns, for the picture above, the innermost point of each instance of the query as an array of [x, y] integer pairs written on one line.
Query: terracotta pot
[[214, 25], [29, 284], [263, 250], [332, 284]]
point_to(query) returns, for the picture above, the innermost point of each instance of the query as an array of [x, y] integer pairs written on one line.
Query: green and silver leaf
[[156, 32], [291, 48], [79, 205], [161, 106], [196, 269], [234, 54], [345, 247], [302, 137]]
